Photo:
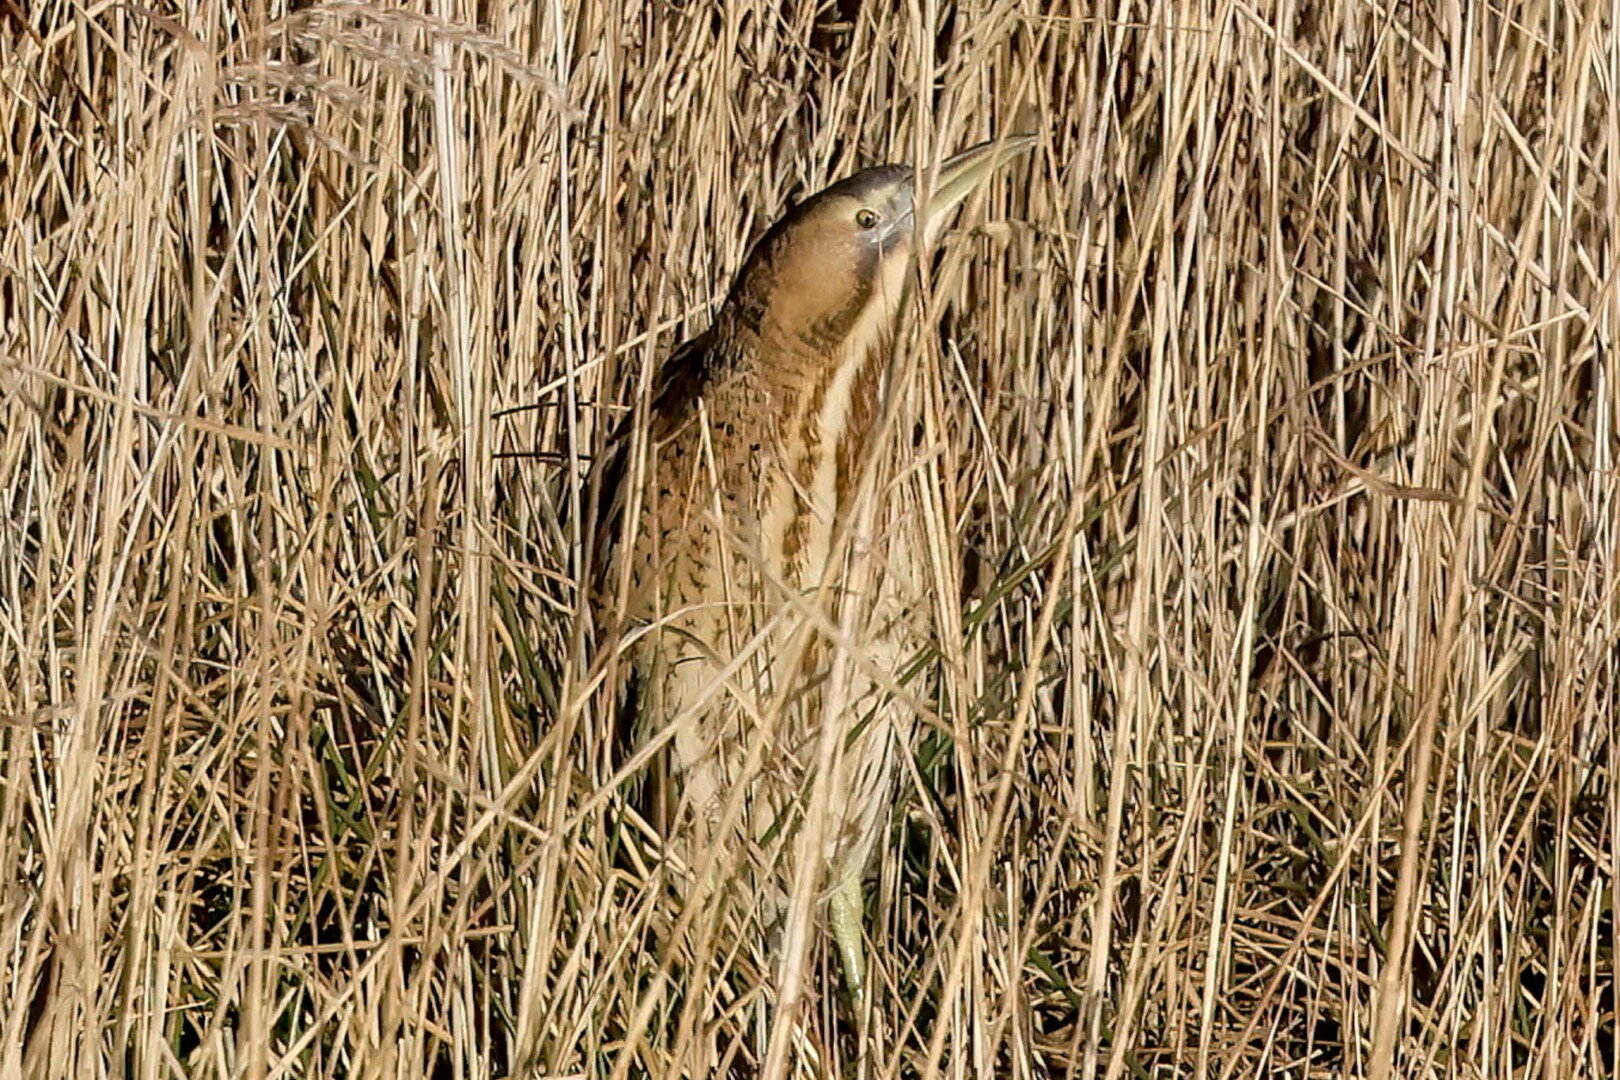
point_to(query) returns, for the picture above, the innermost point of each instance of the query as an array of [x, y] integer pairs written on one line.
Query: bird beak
[[961, 175]]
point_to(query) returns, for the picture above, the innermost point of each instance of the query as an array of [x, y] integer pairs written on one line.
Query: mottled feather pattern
[[731, 452], [745, 553]]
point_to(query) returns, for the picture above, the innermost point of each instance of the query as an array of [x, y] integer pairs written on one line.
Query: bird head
[[829, 277]]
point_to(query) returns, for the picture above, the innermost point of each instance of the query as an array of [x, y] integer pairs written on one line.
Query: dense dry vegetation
[[1268, 416]]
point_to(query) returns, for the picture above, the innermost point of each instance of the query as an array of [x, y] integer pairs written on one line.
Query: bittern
[[718, 548]]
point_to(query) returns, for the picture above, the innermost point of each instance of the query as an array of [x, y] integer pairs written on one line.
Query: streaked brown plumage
[[729, 575]]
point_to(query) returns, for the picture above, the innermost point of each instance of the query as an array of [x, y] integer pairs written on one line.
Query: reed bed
[[1267, 414]]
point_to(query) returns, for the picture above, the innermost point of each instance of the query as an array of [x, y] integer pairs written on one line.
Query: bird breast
[[749, 489]]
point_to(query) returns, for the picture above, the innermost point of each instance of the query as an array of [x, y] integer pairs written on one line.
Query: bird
[[720, 556]]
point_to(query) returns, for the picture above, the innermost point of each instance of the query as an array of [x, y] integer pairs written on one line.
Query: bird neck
[[819, 389]]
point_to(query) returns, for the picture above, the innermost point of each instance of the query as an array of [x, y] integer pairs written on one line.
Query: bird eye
[[866, 218]]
